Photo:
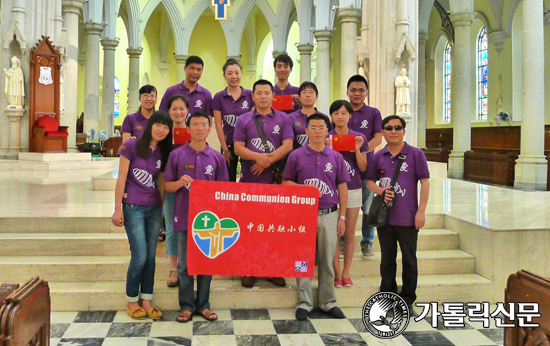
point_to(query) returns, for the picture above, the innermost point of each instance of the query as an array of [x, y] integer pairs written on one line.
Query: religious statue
[[15, 92], [402, 97]]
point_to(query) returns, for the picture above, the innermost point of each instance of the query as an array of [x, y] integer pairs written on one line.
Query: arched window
[[482, 75], [447, 84]]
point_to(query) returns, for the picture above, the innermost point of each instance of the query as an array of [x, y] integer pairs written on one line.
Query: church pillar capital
[[72, 6], [134, 52], [349, 15], [497, 38], [323, 35], [276, 53], [462, 19], [109, 44], [92, 28], [180, 65], [305, 49], [236, 57]]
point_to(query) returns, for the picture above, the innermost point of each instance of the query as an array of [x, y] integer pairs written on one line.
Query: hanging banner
[[260, 230]]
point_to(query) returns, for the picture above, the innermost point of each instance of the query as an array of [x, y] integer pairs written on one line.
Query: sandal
[[207, 314], [184, 316], [172, 282], [162, 235], [137, 314], [154, 313]]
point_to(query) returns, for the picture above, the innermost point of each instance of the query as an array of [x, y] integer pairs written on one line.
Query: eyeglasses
[[148, 96], [318, 128], [396, 127], [199, 125], [360, 91], [308, 92]]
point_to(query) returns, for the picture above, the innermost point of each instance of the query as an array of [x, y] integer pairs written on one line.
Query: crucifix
[[220, 7]]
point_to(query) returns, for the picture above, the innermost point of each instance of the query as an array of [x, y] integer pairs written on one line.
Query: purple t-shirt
[[231, 109], [324, 169], [289, 90], [367, 121], [351, 161], [134, 124], [414, 168], [298, 120], [199, 100], [277, 128], [141, 181], [207, 164]]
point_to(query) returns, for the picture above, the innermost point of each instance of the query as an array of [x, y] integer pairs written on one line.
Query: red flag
[[181, 136], [283, 102], [343, 142]]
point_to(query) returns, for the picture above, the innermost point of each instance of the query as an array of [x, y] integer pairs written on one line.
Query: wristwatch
[[343, 218]]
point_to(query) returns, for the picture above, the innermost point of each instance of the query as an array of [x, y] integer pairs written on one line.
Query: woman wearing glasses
[[356, 162], [308, 96]]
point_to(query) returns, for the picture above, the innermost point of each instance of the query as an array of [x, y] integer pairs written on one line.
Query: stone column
[[323, 68], [531, 166], [108, 97], [305, 62], [277, 53], [421, 129], [349, 19], [71, 17], [91, 86], [180, 63], [461, 81], [15, 116], [133, 79]]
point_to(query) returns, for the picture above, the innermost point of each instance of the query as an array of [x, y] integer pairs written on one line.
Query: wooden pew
[[526, 287], [25, 315]]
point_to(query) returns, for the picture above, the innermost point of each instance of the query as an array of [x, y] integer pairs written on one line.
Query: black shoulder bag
[[277, 171], [379, 208]]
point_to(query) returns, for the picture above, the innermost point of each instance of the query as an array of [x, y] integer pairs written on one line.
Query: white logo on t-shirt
[[230, 119], [302, 139], [245, 105], [198, 104], [144, 177], [328, 167], [257, 143], [321, 185], [351, 171], [404, 167], [385, 182], [364, 124], [209, 170], [276, 129], [158, 164]]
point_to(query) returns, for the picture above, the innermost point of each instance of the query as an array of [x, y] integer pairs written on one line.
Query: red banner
[[252, 229]]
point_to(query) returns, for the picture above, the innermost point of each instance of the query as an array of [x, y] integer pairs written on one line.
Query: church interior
[[477, 109]]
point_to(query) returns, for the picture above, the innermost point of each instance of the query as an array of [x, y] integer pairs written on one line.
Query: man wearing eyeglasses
[[366, 120], [406, 216], [318, 165]]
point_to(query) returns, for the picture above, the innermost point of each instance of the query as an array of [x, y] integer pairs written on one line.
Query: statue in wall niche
[[402, 97], [15, 91]]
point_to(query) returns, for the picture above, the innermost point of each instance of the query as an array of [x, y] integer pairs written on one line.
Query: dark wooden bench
[[490, 167]]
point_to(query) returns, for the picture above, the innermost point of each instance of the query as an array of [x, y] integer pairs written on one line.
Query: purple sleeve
[[342, 176], [421, 165], [165, 98], [216, 102], [127, 125], [240, 133], [365, 147], [377, 126], [128, 149], [170, 171], [288, 132], [222, 174], [290, 168], [371, 168]]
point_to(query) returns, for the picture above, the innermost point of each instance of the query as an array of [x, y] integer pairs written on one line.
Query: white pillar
[[531, 166], [323, 68], [91, 86], [71, 14], [133, 79], [180, 63], [305, 62], [461, 81], [107, 104], [349, 18], [15, 116], [277, 53], [421, 124]]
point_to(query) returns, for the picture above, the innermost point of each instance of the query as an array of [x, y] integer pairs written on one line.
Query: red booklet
[[181, 136], [283, 102], [343, 142]]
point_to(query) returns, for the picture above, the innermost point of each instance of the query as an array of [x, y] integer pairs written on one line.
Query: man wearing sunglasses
[[365, 120], [406, 216]]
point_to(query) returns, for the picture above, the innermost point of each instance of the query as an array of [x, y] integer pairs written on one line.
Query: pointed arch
[[176, 20], [510, 17], [306, 14], [424, 12], [110, 14], [280, 34], [132, 25], [241, 18]]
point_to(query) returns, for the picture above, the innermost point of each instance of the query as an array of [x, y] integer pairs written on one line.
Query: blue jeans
[[171, 237], [186, 282], [142, 227], [368, 231]]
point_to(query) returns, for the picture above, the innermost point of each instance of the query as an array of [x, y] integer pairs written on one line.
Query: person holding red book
[[178, 108], [356, 163]]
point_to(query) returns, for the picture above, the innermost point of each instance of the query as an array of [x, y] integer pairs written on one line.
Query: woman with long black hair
[[139, 195]]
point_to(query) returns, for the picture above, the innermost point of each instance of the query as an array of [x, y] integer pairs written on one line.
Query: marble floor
[[262, 327]]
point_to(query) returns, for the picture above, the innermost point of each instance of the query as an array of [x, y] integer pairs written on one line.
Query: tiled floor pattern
[[262, 327]]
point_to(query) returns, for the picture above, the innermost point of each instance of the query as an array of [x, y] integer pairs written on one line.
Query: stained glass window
[[447, 84], [482, 75]]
